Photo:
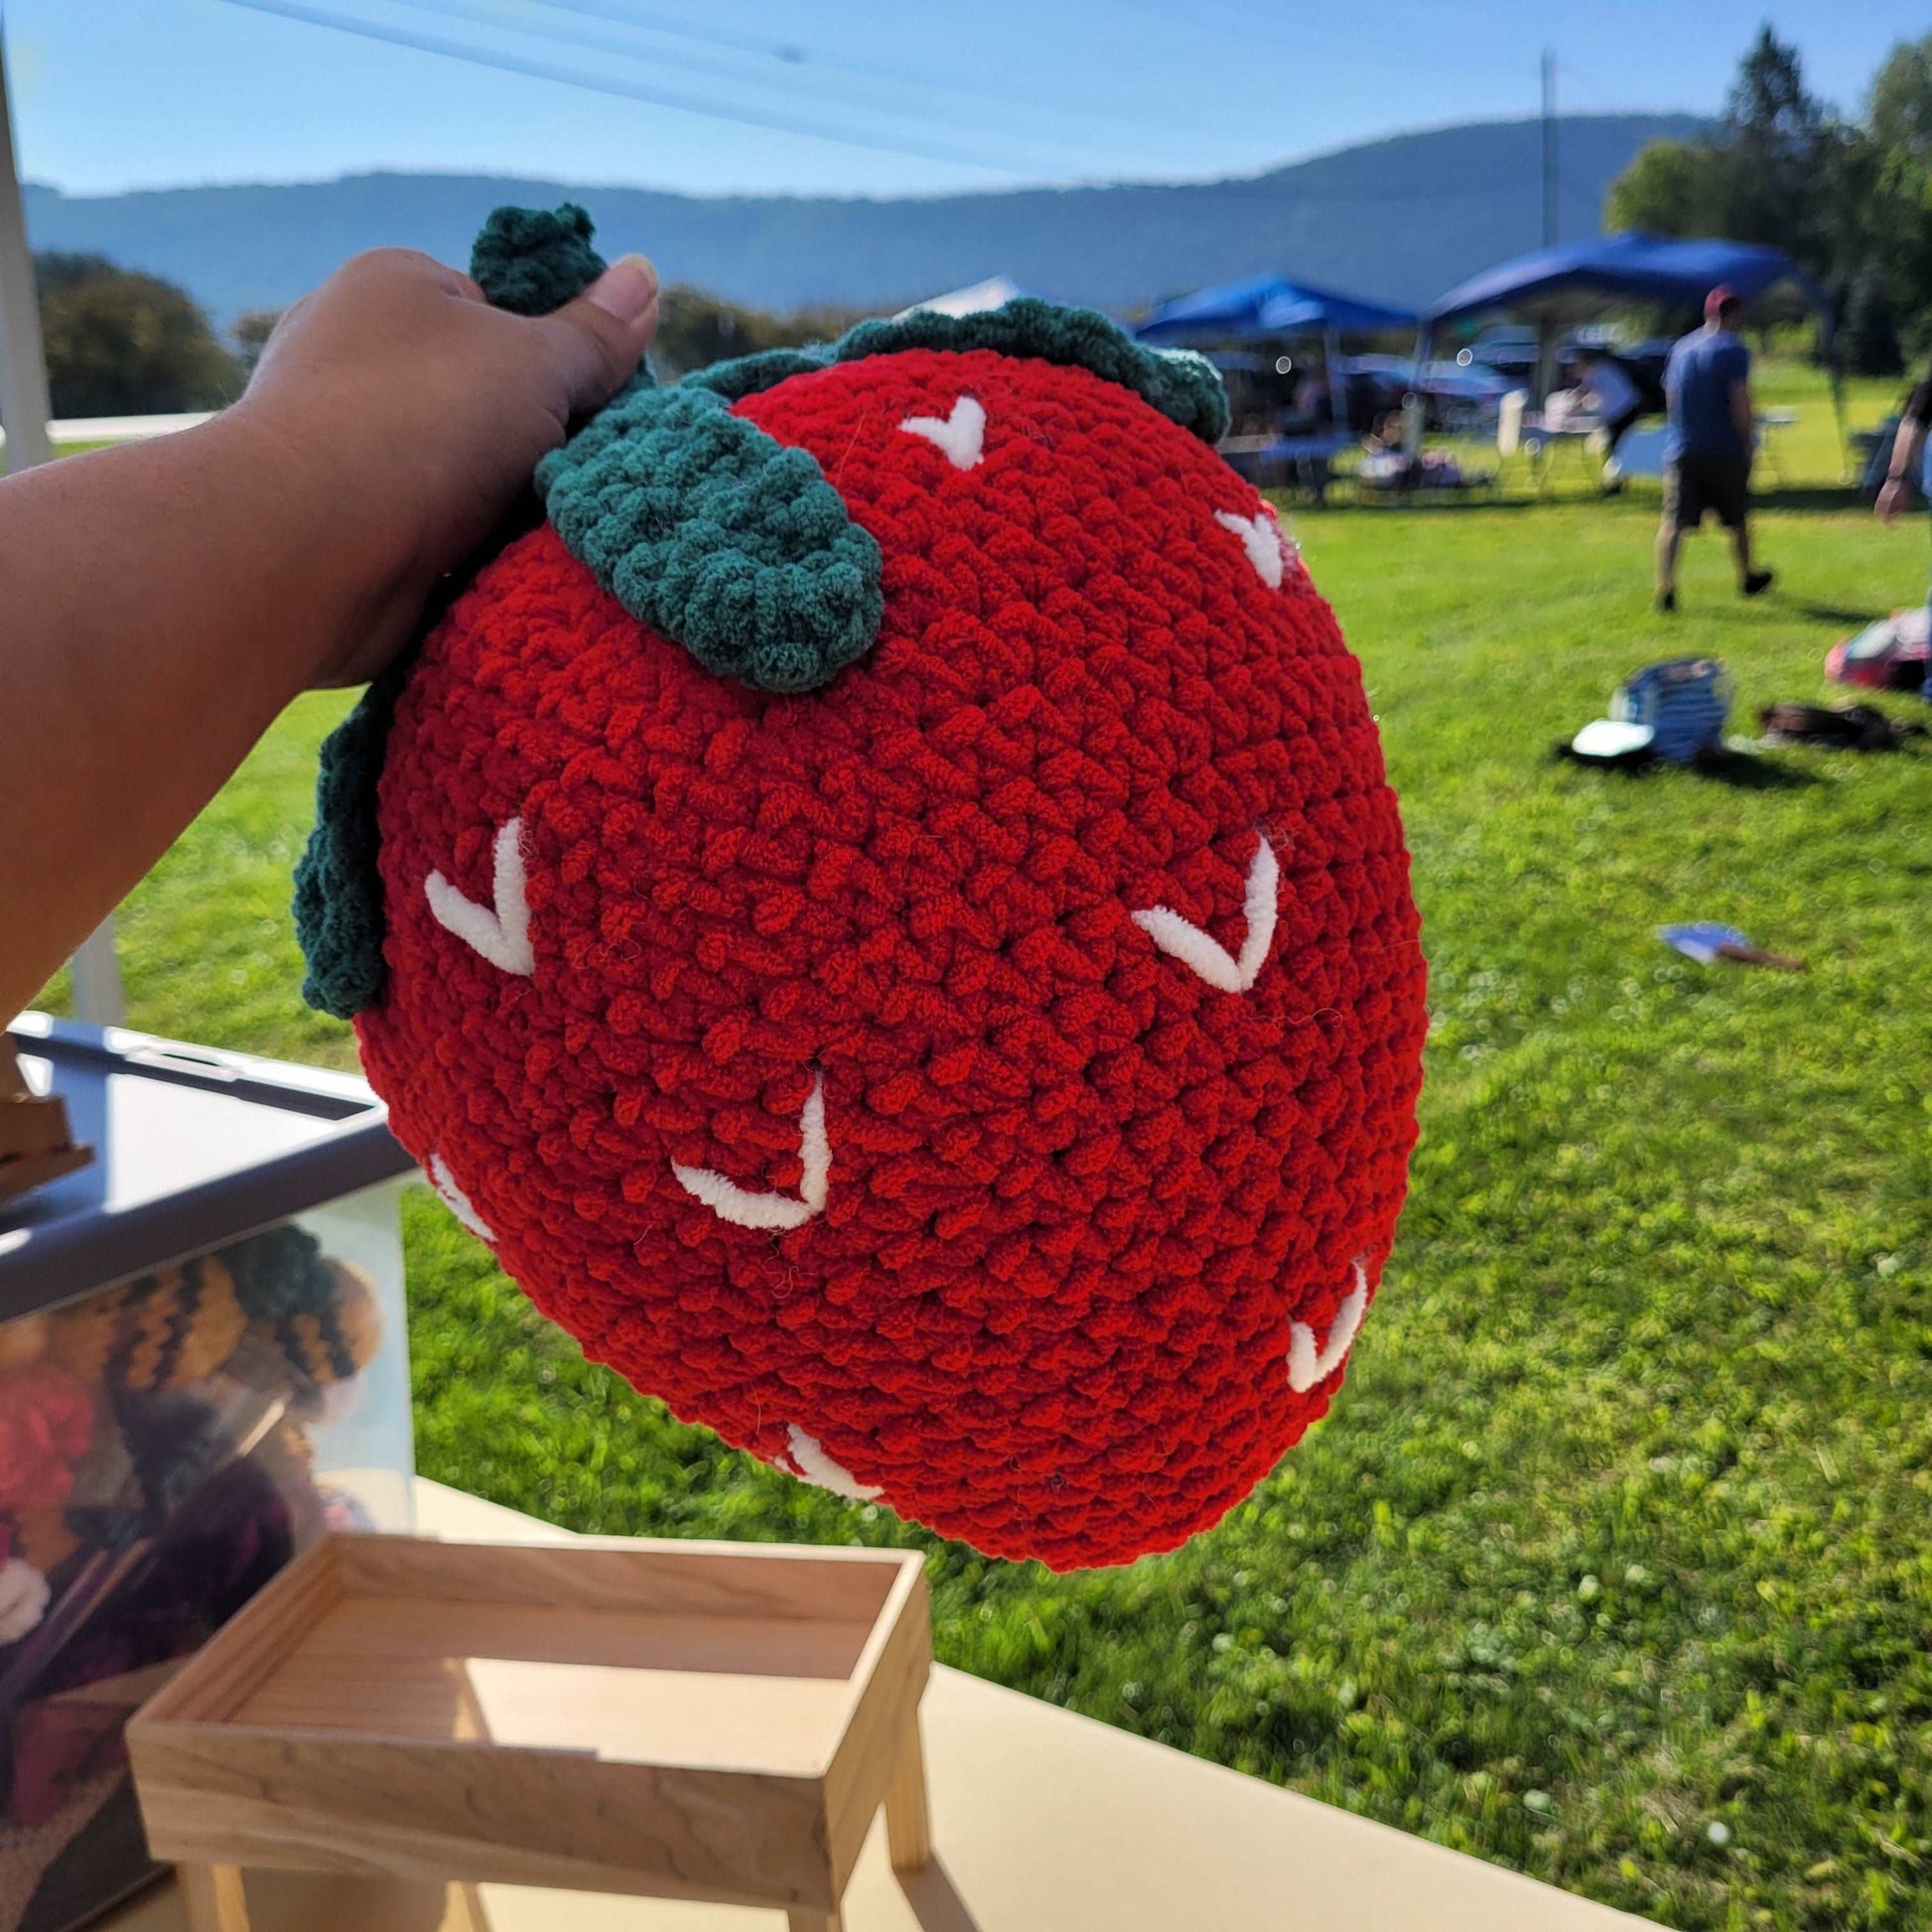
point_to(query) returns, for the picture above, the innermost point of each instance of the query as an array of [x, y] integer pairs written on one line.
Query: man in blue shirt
[[1708, 454]]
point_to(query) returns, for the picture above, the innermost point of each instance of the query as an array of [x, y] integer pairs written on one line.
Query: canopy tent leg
[[23, 361], [24, 412], [1415, 414], [96, 969]]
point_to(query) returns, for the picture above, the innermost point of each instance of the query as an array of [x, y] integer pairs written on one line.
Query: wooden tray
[[36, 1143], [681, 1720]]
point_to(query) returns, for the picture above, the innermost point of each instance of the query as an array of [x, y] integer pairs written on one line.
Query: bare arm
[[163, 603], [1905, 445], [1744, 414]]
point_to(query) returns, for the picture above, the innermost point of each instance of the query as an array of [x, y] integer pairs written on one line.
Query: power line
[[1249, 191], [622, 89], [645, 20], [478, 13], [787, 52]]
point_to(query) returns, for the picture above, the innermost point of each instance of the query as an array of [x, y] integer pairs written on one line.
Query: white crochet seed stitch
[[1187, 944], [1261, 536], [1304, 1367], [23, 1597], [455, 1201], [731, 1203], [501, 935], [816, 1466], [962, 435]]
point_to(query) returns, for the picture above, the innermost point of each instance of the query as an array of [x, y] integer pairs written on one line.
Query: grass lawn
[[1614, 1561]]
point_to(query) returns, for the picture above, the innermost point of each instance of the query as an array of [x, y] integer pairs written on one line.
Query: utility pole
[[24, 412], [1548, 147]]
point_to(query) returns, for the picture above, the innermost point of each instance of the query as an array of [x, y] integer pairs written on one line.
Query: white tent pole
[[23, 361], [23, 413]]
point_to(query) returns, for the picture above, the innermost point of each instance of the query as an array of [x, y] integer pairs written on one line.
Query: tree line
[[1849, 199], [121, 343]]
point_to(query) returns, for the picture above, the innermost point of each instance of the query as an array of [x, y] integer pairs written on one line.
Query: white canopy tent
[[993, 293], [24, 412]]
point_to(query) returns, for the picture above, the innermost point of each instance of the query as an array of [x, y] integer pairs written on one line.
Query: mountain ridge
[[1398, 219]]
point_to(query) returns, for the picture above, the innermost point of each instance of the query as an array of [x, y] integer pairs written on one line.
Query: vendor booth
[[1558, 288], [1235, 317]]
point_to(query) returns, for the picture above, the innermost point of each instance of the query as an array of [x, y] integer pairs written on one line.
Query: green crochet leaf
[[337, 887], [736, 547], [529, 261], [720, 537], [1183, 386], [700, 526]]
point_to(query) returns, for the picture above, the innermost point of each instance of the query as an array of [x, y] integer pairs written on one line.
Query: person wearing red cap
[[1708, 454]]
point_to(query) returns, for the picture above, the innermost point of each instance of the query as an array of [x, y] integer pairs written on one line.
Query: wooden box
[[36, 1143], [681, 1720]]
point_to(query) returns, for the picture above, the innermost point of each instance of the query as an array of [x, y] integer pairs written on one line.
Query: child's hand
[[410, 413]]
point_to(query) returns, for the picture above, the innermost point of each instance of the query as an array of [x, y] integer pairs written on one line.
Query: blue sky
[[972, 93]]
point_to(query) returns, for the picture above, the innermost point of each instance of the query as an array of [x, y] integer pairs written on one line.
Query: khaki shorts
[[1694, 484]]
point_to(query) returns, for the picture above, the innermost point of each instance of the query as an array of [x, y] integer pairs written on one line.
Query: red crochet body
[[1078, 1196]]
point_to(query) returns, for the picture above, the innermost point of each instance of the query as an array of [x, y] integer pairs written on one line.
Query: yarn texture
[[46, 1423], [161, 1331], [719, 536], [337, 887], [532, 261], [1182, 385], [982, 1081]]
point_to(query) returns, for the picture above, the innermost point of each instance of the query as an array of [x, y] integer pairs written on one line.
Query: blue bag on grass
[[1683, 701]]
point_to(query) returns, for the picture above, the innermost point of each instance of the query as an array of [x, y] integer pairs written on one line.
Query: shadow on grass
[[1836, 613], [1741, 770], [1408, 505], [1808, 496], [1747, 772]]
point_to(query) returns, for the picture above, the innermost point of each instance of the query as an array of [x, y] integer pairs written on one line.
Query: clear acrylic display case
[[202, 1368]]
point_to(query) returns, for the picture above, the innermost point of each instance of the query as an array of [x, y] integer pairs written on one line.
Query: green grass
[[1622, 1528]]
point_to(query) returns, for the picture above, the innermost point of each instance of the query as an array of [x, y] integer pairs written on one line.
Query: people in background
[[1617, 403], [1566, 406], [1708, 452], [1908, 447], [1311, 398]]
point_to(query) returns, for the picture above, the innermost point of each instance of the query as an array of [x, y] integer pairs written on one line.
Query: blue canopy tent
[[1263, 305], [1554, 287], [1565, 284], [1268, 307]]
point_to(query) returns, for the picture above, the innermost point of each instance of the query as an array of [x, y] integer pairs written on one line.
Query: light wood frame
[[701, 1721]]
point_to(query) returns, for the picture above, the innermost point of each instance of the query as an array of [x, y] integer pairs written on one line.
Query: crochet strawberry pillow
[[882, 906]]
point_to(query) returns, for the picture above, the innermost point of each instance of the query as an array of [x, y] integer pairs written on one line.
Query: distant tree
[[1778, 146], [1769, 104], [126, 345], [1868, 338], [251, 332], [1761, 176], [1901, 113], [1782, 168], [1669, 188], [696, 328], [1898, 123]]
